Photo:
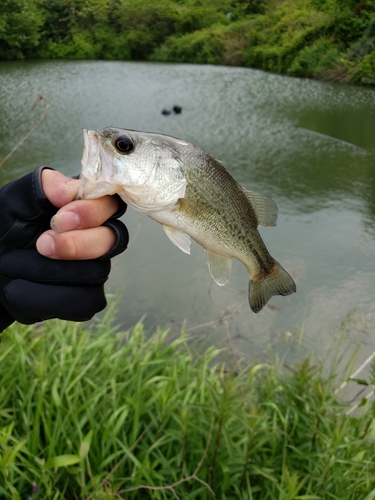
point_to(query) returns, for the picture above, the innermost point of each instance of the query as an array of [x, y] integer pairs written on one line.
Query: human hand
[[78, 233], [33, 287]]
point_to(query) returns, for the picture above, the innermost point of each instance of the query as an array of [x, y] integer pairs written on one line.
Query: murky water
[[308, 145]]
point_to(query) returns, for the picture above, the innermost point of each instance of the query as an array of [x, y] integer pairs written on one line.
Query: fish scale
[[193, 196], [236, 215]]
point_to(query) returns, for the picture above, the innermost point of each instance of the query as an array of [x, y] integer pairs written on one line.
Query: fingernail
[[65, 221], [46, 245]]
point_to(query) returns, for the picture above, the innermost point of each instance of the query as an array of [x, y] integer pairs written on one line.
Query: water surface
[[309, 145]]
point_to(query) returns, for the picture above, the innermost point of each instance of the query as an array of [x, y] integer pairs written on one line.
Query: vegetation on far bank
[[99, 414], [326, 39]]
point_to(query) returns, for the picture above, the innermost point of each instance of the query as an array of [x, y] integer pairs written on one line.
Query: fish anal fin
[[178, 238], [277, 282], [219, 267], [264, 206]]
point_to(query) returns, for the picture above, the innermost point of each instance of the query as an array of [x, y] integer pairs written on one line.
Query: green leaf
[[55, 393], [370, 496], [359, 381], [359, 456], [85, 445], [62, 461]]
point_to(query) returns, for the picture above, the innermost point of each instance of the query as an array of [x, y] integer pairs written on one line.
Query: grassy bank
[[326, 39], [99, 414]]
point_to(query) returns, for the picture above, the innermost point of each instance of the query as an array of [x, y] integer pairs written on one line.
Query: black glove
[[33, 287]]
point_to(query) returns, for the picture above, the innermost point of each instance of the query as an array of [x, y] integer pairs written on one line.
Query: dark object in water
[[177, 109], [166, 112]]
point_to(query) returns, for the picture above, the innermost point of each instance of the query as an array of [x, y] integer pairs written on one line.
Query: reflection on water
[[307, 144]]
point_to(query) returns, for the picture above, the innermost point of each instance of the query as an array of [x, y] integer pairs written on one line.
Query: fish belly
[[267, 276]]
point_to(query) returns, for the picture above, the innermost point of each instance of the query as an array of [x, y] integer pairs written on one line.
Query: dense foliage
[[329, 39], [95, 414]]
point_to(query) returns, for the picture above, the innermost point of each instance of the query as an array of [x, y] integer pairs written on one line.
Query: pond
[[309, 145]]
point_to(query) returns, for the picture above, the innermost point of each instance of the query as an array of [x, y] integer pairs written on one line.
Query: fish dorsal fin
[[178, 238], [219, 267], [265, 208]]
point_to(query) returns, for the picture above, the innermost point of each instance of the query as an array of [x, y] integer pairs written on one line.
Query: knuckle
[[67, 245], [84, 244], [94, 212]]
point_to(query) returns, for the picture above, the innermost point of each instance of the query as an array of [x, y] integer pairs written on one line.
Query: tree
[[20, 21]]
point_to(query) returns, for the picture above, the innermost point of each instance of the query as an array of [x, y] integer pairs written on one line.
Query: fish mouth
[[92, 176]]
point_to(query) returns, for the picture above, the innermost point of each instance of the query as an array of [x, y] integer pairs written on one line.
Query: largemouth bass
[[192, 196]]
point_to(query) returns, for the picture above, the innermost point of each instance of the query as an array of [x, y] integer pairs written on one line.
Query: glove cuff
[[122, 238], [123, 206]]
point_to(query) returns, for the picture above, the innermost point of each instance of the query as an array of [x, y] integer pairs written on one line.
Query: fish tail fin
[[276, 282]]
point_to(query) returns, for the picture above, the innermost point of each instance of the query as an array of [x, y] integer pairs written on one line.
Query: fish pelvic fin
[[219, 267], [276, 282]]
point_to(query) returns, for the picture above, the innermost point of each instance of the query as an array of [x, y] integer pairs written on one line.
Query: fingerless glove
[[32, 287]]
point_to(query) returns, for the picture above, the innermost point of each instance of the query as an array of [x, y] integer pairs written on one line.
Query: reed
[[97, 413]]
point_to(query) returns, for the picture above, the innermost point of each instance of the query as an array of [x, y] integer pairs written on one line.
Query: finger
[[58, 188], [77, 244], [83, 214]]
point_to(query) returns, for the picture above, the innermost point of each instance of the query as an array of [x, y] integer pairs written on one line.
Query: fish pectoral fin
[[219, 267], [265, 208], [178, 238]]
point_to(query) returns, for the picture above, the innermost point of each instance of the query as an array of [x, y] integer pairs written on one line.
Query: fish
[[193, 196]]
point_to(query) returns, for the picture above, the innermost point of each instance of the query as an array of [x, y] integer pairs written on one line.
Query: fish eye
[[124, 144]]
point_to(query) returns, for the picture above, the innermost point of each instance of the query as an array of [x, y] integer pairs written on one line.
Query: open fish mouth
[[95, 174]]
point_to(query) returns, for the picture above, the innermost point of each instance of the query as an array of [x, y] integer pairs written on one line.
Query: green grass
[[93, 413]]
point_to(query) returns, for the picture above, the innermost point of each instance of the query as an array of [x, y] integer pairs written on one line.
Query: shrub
[[20, 22], [364, 72], [347, 26], [202, 47], [365, 45], [314, 60], [191, 19], [279, 37], [145, 25]]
